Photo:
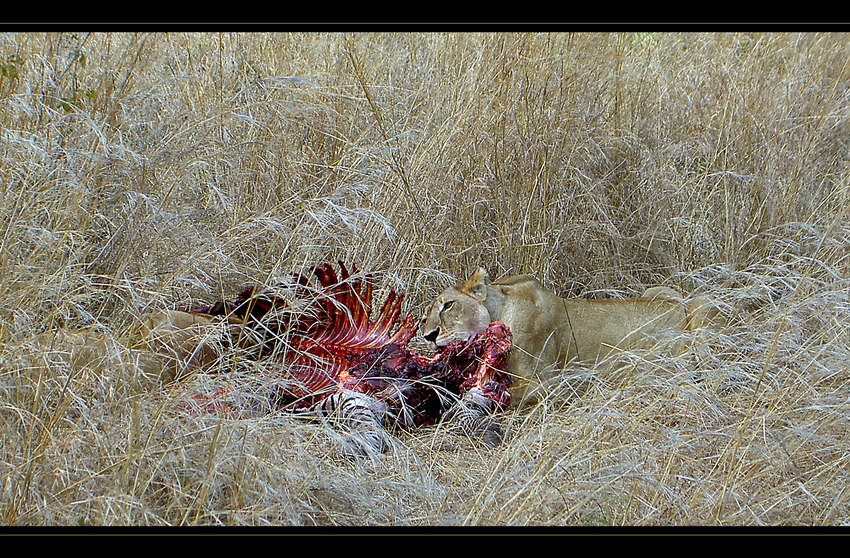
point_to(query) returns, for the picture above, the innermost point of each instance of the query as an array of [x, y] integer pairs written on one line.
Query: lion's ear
[[476, 285]]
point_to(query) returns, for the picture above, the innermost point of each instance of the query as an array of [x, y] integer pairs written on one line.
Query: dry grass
[[142, 171]]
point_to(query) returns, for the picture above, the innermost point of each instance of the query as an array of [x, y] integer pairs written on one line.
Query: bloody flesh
[[334, 343]]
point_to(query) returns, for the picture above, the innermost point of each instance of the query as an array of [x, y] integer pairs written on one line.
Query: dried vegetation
[[144, 171]]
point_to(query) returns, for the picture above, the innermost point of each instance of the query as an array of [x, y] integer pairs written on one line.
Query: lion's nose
[[432, 335]]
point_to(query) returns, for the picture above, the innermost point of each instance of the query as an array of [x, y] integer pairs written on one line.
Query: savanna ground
[[143, 171]]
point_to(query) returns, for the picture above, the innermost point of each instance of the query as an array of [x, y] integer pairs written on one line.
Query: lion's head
[[458, 312]]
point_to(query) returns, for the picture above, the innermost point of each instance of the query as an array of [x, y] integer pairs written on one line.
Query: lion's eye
[[447, 305]]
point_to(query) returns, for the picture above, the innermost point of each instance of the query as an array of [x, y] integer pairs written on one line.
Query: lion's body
[[182, 342], [549, 331], [165, 344]]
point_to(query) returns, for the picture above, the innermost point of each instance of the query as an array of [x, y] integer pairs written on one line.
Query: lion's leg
[[702, 317]]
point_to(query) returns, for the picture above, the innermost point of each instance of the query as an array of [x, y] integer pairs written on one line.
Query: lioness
[[549, 331]]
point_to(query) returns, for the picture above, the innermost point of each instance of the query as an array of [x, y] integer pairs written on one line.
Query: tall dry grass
[[150, 170]]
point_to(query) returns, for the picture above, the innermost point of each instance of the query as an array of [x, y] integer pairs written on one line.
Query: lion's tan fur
[[184, 342], [549, 331], [165, 344]]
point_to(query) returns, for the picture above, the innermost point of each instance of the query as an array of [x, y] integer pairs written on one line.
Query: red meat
[[335, 344]]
